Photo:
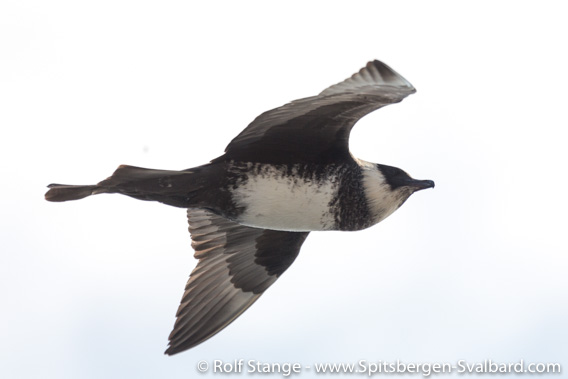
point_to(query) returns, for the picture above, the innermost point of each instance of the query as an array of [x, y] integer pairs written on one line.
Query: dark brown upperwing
[[316, 129]]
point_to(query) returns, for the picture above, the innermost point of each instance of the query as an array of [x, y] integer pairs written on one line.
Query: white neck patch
[[382, 200]]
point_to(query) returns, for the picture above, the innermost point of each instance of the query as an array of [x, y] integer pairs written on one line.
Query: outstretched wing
[[316, 129], [236, 265]]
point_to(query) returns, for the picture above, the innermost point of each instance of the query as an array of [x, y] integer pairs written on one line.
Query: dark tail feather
[[121, 177], [125, 174], [169, 187], [63, 192]]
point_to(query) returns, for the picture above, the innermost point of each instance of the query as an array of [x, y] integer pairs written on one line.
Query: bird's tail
[[64, 192], [137, 182]]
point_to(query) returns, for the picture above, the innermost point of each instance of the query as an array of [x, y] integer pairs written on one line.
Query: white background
[[474, 269]]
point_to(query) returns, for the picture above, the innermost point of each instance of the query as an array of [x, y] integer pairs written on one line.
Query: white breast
[[274, 198]]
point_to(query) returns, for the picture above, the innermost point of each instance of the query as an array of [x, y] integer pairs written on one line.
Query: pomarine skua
[[288, 173]]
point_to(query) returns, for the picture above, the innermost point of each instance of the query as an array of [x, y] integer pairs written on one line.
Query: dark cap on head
[[396, 178]]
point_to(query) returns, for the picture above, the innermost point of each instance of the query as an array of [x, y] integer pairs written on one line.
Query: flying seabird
[[288, 173]]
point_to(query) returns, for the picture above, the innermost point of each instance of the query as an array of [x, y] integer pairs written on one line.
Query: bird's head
[[397, 179], [387, 188]]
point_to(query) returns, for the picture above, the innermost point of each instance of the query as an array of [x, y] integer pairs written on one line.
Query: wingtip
[[389, 75], [172, 349], [177, 347], [374, 73]]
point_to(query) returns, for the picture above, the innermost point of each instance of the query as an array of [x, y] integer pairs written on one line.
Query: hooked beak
[[418, 185]]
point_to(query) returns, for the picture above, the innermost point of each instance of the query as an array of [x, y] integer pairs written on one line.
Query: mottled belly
[[285, 198]]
